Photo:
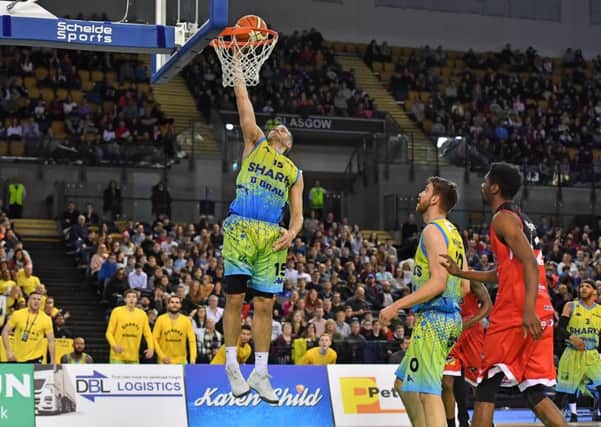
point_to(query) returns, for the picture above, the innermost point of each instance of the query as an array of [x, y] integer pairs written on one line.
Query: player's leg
[[539, 373], [237, 251], [267, 280], [406, 372], [432, 339], [484, 406], [592, 379], [460, 393], [543, 407], [448, 398]]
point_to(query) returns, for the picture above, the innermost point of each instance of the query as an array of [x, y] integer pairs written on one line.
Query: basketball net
[[241, 60]]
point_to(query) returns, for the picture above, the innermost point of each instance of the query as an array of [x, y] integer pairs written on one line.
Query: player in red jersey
[[519, 340], [465, 358]]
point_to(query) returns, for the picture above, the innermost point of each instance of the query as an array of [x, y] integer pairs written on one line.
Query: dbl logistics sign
[[16, 395], [303, 392]]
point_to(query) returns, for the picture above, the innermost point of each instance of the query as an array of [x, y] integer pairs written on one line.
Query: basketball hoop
[[242, 52]]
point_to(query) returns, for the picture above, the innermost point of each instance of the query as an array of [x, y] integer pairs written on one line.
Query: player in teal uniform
[[254, 245], [435, 299]]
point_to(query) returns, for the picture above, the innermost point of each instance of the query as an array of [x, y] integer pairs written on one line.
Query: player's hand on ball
[[285, 240], [387, 314], [450, 264]]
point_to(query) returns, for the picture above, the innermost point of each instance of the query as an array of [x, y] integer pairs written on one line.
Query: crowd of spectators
[[300, 77], [336, 279], [81, 106], [18, 281], [512, 105]]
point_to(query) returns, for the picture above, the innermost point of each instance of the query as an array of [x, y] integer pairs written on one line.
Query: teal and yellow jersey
[[585, 323], [263, 183], [449, 300]]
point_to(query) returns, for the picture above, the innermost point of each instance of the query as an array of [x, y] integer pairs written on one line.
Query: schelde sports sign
[[110, 396], [303, 392], [363, 395]]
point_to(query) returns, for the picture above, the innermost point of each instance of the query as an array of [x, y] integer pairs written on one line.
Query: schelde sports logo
[[301, 396], [75, 32], [362, 395], [98, 385]]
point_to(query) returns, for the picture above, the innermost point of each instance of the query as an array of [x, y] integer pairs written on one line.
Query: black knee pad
[[235, 284], [487, 389], [535, 395]]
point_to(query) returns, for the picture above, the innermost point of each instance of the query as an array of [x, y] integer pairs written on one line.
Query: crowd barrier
[[195, 395]]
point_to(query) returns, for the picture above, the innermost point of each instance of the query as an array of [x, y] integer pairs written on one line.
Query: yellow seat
[[58, 128], [61, 94], [84, 75], [41, 73], [3, 148], [77, 95], [97, 76], [17, 148], [47, 94], [30, 82]]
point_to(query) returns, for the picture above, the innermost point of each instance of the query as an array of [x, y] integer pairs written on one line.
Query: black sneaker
[[573, 418]]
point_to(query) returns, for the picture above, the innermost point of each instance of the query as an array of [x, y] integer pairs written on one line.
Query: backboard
[[196, 22]]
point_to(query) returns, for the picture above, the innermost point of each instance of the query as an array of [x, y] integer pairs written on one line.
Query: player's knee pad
[[535, 395], [235, 284], [487, 389]]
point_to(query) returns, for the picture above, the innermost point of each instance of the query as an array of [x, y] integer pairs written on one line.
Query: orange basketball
[[251, 21]]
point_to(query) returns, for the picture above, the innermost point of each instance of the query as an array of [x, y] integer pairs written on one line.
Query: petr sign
[[16, 396]]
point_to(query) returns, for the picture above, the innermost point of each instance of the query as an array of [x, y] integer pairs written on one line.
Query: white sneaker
[[237, 383], [259, 382]]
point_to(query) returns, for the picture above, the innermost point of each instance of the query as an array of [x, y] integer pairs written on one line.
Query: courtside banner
[[363, 395], [110, 396], [16, 395], [303, 392]]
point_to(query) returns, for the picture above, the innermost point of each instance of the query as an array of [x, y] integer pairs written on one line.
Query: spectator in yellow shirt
[[322, 355], [26, 280], [244, 348], [6, 282], [124, 333], [30, 326], [171, 332]]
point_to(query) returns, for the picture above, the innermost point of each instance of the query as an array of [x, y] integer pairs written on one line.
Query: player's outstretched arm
[[508, 228], [248, 123], [295, 201], [478, 289], [479, 276], [435, 245]]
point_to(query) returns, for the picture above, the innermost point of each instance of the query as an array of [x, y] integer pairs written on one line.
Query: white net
[[241, 61]]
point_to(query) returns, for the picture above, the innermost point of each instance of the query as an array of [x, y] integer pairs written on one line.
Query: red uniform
[[524, 362], [467, 351]]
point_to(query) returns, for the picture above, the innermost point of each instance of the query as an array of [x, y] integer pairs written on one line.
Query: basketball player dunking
[[519, 341], [254, 245]]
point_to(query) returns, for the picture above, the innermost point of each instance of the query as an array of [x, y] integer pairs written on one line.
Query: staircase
[[177, 102], [424, 152], [37, 230], [64, 282]]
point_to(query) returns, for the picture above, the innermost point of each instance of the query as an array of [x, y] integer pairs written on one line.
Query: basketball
[[251, 21]]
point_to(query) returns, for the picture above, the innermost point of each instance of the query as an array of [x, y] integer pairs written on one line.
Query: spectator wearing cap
[[137, 279]]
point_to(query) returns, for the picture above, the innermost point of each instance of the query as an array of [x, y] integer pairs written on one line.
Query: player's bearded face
[[585, 291], [424, 200]]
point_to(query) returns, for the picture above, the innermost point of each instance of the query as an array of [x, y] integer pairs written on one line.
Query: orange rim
[[227, 38]]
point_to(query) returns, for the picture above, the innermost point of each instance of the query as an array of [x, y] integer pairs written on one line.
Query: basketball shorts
[[248, 250], [524, 361], [466, 355], [434, 334], [579, 370]]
